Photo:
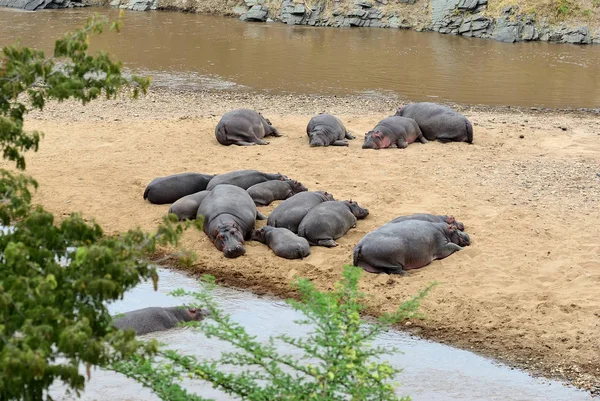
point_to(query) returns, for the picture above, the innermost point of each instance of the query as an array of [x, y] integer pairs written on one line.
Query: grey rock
[[239, 10], [506, 31], [299, 9], [115, 3], [407, 1], [375, 14], [356, 13], [384, 2], [464, 28], [468, 4], [441, 11], [363, 3], [479, 24], [351, 22], [251, 3], [579, 35], [257, 13], [529, 33]]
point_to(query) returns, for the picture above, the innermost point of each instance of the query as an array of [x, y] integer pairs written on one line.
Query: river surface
[[189, 50], [432, 372]]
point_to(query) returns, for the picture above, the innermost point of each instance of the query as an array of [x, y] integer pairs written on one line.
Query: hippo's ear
[[451, 227], [192, 310], [450, 218]]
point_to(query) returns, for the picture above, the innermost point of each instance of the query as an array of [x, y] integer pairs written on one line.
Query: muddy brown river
[[188, 50]]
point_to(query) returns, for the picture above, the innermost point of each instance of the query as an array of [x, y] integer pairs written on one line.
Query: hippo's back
[[228, 199], [329, 121], [289, 213], [435, 119], [146, 320]]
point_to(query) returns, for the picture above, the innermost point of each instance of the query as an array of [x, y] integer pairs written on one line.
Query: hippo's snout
[[234, 251], [464, 239]]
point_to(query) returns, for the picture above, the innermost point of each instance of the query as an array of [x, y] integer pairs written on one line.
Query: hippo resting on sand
[[168, 189], [283, 242], [243, 178], [186, 208], [146, 320], [266, 192], [410, 244], [229, 217], [244, 127], [329, 221], [289, 213], [439, 122], [325, 130], [431, 218], [393, 131]]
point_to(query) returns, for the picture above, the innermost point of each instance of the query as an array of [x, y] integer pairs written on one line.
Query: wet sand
[[526, 290]]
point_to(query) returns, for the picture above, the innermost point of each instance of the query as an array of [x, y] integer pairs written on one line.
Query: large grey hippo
[[266, 192], [325, 129], [147, 320], [410, 244], [393, 131], [244, 127], [283, 242], [243, 178], [289, 213], [186, 208], [229, 217], [168, 189], [329, 221], [432, 218], [439, 122]]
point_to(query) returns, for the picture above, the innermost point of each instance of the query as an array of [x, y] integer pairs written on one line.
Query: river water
[[189, 50], [432, 372]]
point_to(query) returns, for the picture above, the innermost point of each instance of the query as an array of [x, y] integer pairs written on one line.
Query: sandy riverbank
[[526, 291]]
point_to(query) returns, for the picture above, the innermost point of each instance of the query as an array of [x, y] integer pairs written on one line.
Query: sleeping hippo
[[325, 129], [329, 221], [168, 189], [410, 244], [229, 217], [393, 131], [289, 213], [282, 242], [244, 127], [186, 208], [243, 178], [146, 320], [269, 191], [439, 122], [432, 218]]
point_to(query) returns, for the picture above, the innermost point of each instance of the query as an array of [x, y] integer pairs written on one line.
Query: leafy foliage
[[338, 361]]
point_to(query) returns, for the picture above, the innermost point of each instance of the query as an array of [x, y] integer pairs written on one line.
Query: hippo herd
[[422, 122]]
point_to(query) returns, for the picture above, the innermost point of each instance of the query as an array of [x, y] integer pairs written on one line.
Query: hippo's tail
[[356, 254], [221, 134], [469, 131]]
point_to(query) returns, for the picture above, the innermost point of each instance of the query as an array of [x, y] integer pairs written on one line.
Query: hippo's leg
[[261, 142], [422, 139], [402, 144], [340, 142], [260, 216], [329, 243], [443, 139], [275, 133], [349, 135], [243, 143], [448, 250]]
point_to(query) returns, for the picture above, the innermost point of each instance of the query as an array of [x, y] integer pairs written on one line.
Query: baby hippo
[[283, 242], [390, 131], [289, 213], [325, 129], [329, 221], [244, 127], [266, 192], [432, 218], [186, 208], [410, 244], [146, 320]]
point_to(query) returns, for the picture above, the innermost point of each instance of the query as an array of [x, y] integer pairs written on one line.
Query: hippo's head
[[327, 195], [229, 239], [357, 211], [297, 187], [260, 234], [399, 111], [268, 121], [452, 221], [373, 140], [316, 139], [198, 314], [458, 237]]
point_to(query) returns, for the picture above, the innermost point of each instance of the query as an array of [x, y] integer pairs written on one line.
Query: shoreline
[[523, 293]]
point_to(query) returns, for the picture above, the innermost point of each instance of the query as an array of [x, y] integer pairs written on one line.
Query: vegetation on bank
[[556, 11]]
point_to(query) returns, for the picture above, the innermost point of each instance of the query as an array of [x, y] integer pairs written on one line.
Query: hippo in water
[[186, 208], [244, 127], [439, 122], [269, 191], [393, 131], [229, 217], [169, 189], [325, 130], [243, 178], [410, 244], [432, 218], [147, 320], [329, 221], [283, 242], [289, 213]]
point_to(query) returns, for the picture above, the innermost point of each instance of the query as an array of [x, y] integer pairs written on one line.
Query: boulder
[[256, 13], [468, 5]]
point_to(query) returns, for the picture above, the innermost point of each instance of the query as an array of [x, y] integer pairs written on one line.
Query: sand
[[527, 190]]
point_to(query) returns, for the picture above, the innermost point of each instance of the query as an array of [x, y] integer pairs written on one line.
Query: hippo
[[439, 122], [398, 131], [325, 130], [244, 127], [229, 217], [282, 242], [432, 218], [243, 178], [186, 208], [147, 320], [329, 221], [289, 213], [269, 191], [410, 244], [168, 189]]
